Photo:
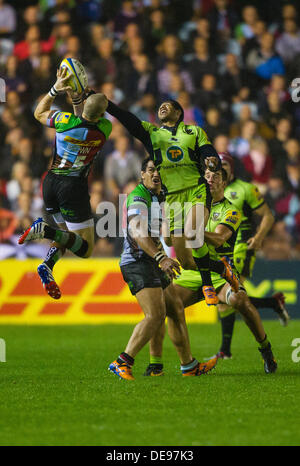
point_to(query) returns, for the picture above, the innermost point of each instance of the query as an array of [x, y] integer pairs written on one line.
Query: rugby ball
[[78, 78]]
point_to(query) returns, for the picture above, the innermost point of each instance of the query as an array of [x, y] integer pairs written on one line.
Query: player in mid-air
[[65, 189], [148, 272], [221, 232], [249, 201], [181, 153]]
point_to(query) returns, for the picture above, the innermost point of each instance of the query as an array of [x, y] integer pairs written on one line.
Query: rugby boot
[[35, 231], [121, 370], [229, 275], [280, 309], [270, 365], [201, 368], [48, 282], [210, 295], [154, 370]]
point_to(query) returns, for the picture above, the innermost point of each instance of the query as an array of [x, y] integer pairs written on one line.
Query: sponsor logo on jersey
[[78, 142], [63, 117], [174, 154], [231, 219], [139, 199]]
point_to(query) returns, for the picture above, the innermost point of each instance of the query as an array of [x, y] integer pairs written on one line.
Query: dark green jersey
[[143, 203], [223, 213], [246, 198]]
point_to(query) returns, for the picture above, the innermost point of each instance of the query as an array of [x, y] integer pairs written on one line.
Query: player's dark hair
[[145, 164], [177, 106]]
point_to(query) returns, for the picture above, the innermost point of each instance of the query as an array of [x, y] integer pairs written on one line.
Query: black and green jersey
[[246, 198], [223, 213], [143, 203], [77, 142], [178, 152]]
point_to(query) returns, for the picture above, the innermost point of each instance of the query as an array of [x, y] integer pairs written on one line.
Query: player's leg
[[241, 302], [152, 303], [155, 367]]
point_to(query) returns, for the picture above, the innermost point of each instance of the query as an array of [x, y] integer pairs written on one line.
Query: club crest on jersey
[[233, 195], [215, 216], [174, 154]]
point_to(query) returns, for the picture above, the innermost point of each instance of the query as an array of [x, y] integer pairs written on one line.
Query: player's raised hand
[[61, 81], [170, 266]]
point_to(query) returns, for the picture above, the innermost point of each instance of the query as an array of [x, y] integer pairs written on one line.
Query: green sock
[[264, 343], [156, 359]]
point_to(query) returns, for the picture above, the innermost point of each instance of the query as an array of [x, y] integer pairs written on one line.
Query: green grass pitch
[[55, 389]]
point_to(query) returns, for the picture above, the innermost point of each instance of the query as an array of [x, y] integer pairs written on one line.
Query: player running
[[148, 273], [65, 188], [181, 153], [248, 200], [221, 232]]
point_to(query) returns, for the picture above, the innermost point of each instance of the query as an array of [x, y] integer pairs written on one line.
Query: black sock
[[53, 255], [264, 302], [124, 357], [217, 266], [203, 264], [227, 324]]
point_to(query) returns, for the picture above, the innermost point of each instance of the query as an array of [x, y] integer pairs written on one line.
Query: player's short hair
[[177, 106], [145, 164], [94, 106]]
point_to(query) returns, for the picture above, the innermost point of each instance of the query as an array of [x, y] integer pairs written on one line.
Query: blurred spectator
[[240, 145], [192, 114], [246, 29], [122, 166], [165, 75], [201, 63], [214, 123], [7, 28], [22, 48], [265, 62], [170, 49], [288, 44], [103, 65], [145, 108], [141, 80], [209, 94], [128, 14], [258, 163]]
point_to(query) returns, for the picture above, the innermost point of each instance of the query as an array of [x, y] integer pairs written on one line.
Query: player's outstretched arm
[[132, 123], [44, 107]]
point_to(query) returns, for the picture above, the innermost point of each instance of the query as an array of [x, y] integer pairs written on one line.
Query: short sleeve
[[232, 219], [254, 198]]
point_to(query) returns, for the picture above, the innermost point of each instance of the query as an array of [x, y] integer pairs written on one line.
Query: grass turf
[[55, 389]]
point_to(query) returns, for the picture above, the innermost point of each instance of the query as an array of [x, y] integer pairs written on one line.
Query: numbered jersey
[[176, 155], [77, 142]]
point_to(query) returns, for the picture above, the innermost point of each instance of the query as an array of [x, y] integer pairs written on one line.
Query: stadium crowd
[[230, 64]]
